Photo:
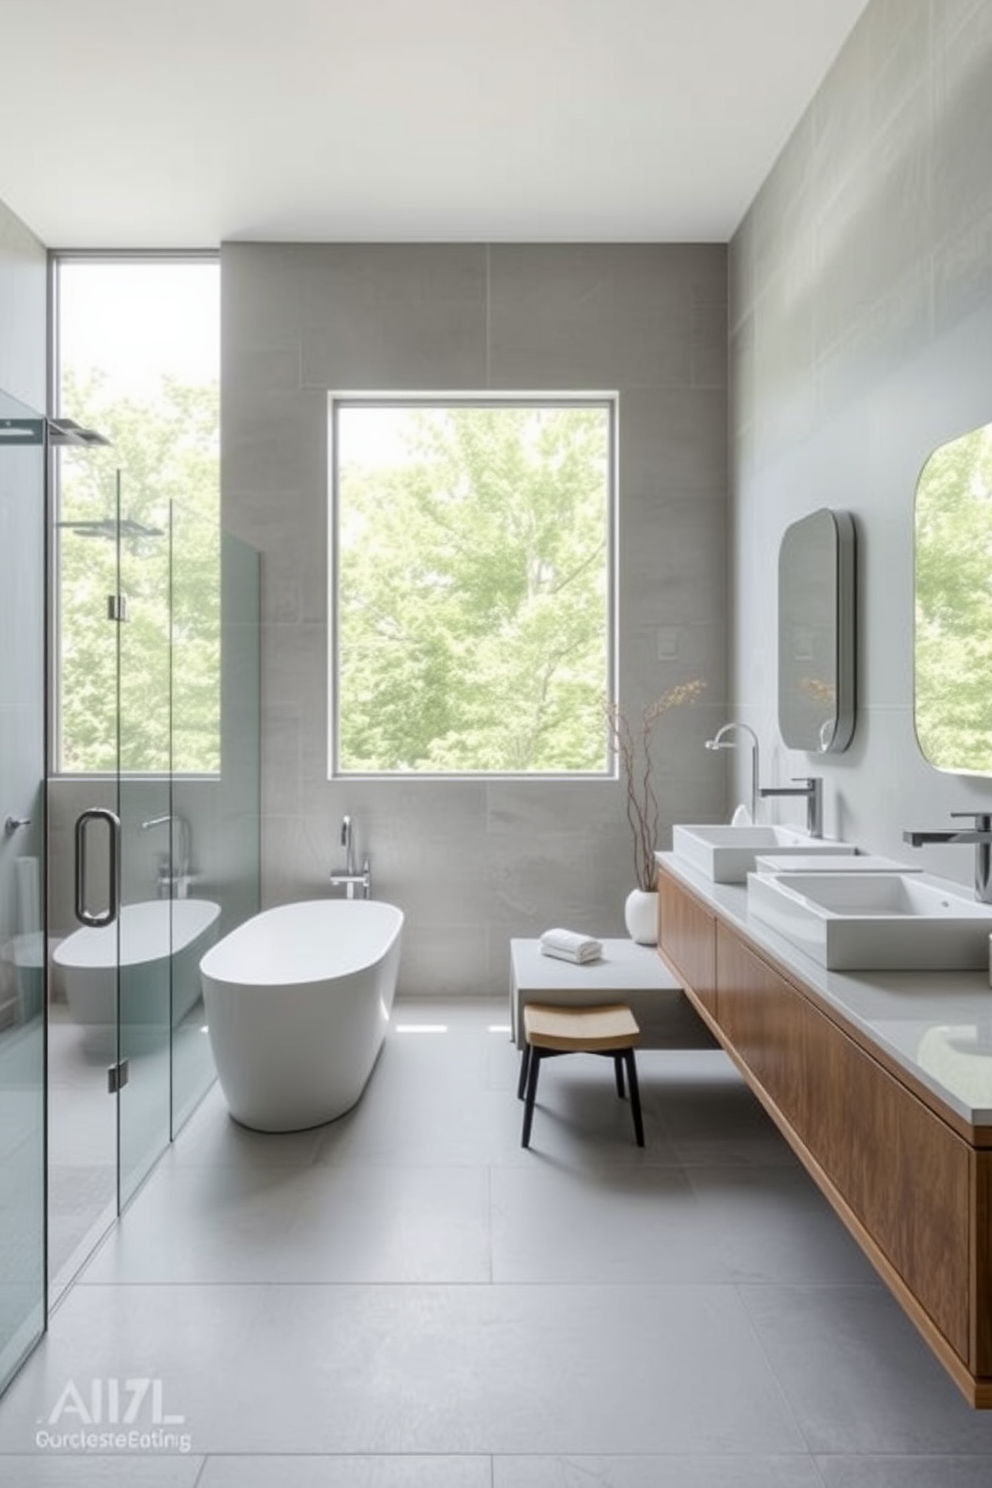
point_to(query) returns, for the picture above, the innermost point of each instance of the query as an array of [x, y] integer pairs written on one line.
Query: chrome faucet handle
[[982, 819]]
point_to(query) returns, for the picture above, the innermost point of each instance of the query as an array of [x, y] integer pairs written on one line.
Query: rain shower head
[[111, 529], [65, 431]]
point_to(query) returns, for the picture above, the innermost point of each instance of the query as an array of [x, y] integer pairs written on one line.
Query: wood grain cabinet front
[[896, 1166], [760, 1017], [903, 1176], [687, 937]]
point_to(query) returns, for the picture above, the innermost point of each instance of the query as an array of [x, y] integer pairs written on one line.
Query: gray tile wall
[[23, 312], [861, 338], [22, 767], [473, 863]]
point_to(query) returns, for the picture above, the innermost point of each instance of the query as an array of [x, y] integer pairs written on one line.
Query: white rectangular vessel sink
[[874, 921], [726, 854]]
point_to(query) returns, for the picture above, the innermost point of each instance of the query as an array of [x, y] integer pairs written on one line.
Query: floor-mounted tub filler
[[298, 1000]]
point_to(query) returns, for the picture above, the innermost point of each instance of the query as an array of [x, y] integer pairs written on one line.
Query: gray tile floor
[[406, 1298]]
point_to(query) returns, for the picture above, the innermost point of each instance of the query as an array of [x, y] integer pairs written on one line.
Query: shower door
[[125, 839], [149, 842], [22, 880]]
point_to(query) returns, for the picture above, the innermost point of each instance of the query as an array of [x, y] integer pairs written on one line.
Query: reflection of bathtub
[[22, 959], [148, 940], [298, 1000]]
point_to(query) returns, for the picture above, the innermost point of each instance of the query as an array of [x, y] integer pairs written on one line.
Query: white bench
[[627, 973]]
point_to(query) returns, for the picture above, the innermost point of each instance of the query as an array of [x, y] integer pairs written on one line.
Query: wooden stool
[[549, 1031]]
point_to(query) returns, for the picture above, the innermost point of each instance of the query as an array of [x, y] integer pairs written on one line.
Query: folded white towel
[[570, 956], [570, 945]]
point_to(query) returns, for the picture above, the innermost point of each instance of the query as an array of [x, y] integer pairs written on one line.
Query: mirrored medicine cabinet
[[953, 605], [816, 632]]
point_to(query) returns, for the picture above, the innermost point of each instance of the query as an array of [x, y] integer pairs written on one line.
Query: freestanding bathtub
[[298, 1000], [157, 944]]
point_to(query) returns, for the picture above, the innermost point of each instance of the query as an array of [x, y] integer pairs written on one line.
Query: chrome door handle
[[113, 821]]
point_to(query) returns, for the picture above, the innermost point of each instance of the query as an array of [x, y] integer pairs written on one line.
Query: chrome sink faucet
[[812, 788], [717, 742], [980, 834]]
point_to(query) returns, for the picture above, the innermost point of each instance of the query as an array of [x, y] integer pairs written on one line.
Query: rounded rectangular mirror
[[953, 562], [816, 641]]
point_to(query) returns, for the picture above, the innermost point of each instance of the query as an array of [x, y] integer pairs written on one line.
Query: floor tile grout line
[[787, 1405]]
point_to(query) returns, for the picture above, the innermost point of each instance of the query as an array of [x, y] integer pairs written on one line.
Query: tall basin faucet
[[980, 834], [812, 788], [719, 741], [350, 877], [174, 873]]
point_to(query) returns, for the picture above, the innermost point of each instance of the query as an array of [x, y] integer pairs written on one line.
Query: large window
[[137, 357], [472, 584]]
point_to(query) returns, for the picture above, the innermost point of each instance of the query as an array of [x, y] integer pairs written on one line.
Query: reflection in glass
[[953, 653]]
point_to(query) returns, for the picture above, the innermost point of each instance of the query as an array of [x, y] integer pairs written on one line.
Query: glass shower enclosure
[[165, 859], [22, 882], [150, 863]]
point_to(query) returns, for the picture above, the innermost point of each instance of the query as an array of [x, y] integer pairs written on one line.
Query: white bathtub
[[298, 1000], [158, 944]]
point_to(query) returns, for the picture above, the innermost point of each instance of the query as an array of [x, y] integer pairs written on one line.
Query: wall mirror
[[953, 610], [816, 641]]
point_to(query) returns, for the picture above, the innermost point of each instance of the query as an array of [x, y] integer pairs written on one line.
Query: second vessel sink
[[874, 921], [727, 854]]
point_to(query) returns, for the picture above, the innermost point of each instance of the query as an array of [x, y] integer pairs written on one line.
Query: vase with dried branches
[[634, 752]]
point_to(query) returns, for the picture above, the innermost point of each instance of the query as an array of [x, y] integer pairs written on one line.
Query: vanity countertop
[[937, 1025]]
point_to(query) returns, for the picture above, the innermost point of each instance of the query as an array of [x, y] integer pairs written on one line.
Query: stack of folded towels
[[569, 945]]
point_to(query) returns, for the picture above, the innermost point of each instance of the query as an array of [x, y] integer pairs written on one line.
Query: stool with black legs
[[549, 1031]]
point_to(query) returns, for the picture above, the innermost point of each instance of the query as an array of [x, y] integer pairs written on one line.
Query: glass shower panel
[[196, 651], [240, 728], [82, 1032], [22, 879], [151, 843], [223, 815]]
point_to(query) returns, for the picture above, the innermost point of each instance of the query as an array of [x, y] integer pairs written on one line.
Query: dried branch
[[637, 767]]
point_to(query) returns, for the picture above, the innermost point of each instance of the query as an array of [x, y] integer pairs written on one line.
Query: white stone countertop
[[937, 1025]]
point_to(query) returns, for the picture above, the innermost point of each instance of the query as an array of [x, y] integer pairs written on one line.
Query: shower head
[[111, 529], [65, 431]]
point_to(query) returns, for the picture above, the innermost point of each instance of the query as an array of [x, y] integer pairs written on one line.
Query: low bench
[[625, 973], [549, 1031]]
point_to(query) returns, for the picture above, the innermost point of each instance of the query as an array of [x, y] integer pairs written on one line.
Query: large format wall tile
[[472, 863], [861, 314]]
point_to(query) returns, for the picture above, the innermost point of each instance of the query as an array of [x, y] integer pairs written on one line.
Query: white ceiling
[[179, 123]]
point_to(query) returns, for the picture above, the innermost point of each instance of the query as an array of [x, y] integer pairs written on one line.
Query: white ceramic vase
[[641, 915]]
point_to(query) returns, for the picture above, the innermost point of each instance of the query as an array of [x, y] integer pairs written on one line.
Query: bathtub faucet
[[173, 873], [349, 877]]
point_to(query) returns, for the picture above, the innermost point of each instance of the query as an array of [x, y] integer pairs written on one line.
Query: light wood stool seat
[[549, 1031]]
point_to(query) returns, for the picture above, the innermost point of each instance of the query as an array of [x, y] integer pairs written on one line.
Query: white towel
[[568, 956], [569, 945]]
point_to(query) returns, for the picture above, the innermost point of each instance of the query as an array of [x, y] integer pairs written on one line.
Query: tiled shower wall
[[473, 863], [23, 312], [23, 293], [861, 338]]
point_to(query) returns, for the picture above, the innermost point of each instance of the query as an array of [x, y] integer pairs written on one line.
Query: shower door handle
[[113, 821]]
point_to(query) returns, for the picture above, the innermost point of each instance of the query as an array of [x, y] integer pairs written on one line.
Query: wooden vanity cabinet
[[687, 934], [910, 1186]]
